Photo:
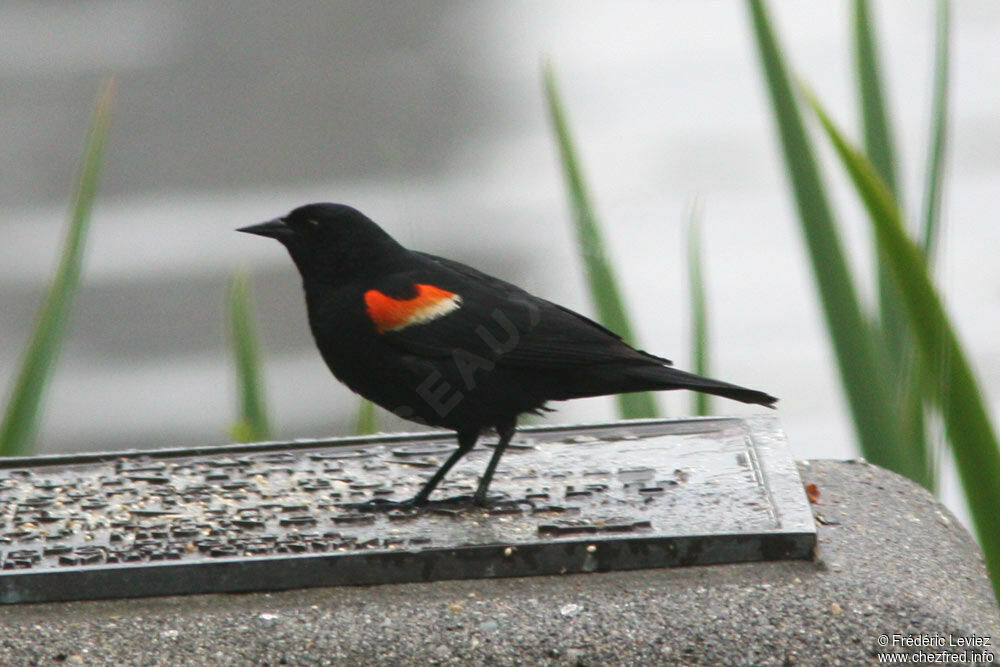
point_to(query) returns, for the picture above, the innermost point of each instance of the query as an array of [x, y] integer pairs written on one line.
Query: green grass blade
[[600, 276], [930, 220], [252, 424], [366, 418], [879, 146], [23, 411], [862, 366], [970, 432], [913, 417], [874, 113], [939, 123], [701, 404]]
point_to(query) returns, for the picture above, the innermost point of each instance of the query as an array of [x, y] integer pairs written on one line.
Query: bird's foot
[[471, 500], [417, 503], [451, 502], [382, 505], [497, 505], [482, 500]]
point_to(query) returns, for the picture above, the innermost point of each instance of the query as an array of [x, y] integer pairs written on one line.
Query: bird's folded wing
[[498, 321]]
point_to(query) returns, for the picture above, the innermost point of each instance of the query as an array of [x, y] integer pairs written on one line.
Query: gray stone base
[[891, 561]]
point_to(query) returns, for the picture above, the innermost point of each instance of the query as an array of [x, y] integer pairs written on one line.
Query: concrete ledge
[[891, 561]]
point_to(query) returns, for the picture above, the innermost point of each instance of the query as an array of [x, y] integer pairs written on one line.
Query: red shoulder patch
[[390, 314]]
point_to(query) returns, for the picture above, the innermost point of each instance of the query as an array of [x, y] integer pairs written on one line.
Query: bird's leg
[[506, 432], [466, 441]]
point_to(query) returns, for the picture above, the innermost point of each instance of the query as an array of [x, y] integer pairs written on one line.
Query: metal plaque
[[626, 495]]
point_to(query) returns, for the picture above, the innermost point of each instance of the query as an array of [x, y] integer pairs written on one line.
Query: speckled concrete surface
[[891, 561]]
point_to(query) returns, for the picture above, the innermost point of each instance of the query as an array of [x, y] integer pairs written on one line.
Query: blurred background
[[430, 118]]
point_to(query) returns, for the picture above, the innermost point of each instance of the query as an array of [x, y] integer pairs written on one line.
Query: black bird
[[440, 343]]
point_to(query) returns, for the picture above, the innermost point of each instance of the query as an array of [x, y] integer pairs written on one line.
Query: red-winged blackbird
[[440, 343]]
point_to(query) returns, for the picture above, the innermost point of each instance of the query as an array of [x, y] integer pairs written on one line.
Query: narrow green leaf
[[917, 383], [600, 276], [970, 432], [899, 346], [252, 424], [874, 112], [366, 418], [862, 367], [879, 146], [939, 123], [701, 404], [22, 416], [914, 415]]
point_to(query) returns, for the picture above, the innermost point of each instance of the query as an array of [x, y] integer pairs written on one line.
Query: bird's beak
[[275, 229]]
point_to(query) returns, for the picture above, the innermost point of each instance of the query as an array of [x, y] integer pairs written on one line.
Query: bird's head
[[329, 243]]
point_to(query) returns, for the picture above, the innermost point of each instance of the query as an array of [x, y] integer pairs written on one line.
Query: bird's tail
[[665, 377]]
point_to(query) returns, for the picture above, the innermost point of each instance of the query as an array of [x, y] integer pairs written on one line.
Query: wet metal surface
[[264, 517]]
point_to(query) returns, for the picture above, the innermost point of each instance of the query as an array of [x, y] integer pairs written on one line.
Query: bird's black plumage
[[441, 343]]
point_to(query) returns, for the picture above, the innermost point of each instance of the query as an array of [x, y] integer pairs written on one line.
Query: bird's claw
[[416, 503], [382, 505]]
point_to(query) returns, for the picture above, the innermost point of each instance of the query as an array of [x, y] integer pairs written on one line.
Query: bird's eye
[[313, 223]]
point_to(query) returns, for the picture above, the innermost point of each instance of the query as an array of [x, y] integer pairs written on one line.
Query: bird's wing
[[445, 307]]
